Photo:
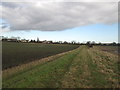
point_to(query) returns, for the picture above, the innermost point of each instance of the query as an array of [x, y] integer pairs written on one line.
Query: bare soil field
[[14, 54], [111, 49]]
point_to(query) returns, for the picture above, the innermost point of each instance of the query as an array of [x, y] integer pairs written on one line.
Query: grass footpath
[[81, 68]]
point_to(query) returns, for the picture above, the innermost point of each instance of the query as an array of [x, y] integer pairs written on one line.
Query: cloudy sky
[[60, 21]]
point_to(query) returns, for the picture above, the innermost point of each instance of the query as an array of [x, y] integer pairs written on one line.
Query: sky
[[60, 21]]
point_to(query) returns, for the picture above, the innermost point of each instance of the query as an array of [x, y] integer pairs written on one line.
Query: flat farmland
[[14, 54], [83, 67], [110, 49]]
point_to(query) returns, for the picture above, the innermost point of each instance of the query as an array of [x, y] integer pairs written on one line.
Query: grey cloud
[[4, 26], [57, 16]]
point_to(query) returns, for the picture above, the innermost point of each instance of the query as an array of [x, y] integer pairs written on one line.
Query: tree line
[[89, 43]]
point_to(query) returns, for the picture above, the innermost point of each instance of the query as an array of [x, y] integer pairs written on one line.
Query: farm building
[[47, 42], [9, 40], [24, 40]]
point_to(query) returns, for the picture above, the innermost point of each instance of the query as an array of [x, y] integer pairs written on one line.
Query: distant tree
[[31, 40], [50, 42], [78, 43], [89, 44], [99, 43], [114, 43], [65, 42], [37, 39], [18, 38], [73, 42], [93, 43], [60, 42]]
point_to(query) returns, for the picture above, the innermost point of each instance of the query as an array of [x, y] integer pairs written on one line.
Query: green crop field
[[80, 68], [14, 54]]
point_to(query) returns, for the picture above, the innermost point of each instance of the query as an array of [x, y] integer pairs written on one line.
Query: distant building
[[9, 40], [47, 42], [24, 40], [12, 40]]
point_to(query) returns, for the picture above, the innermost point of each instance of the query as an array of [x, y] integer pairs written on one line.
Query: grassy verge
[[84, 73], [107, 64]]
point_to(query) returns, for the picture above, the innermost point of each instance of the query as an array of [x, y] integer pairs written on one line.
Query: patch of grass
[[83, 72], [107, 66]]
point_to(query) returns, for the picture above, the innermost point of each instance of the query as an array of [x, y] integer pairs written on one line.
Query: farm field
[[14, 54], [111, 49], [80, 68]]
